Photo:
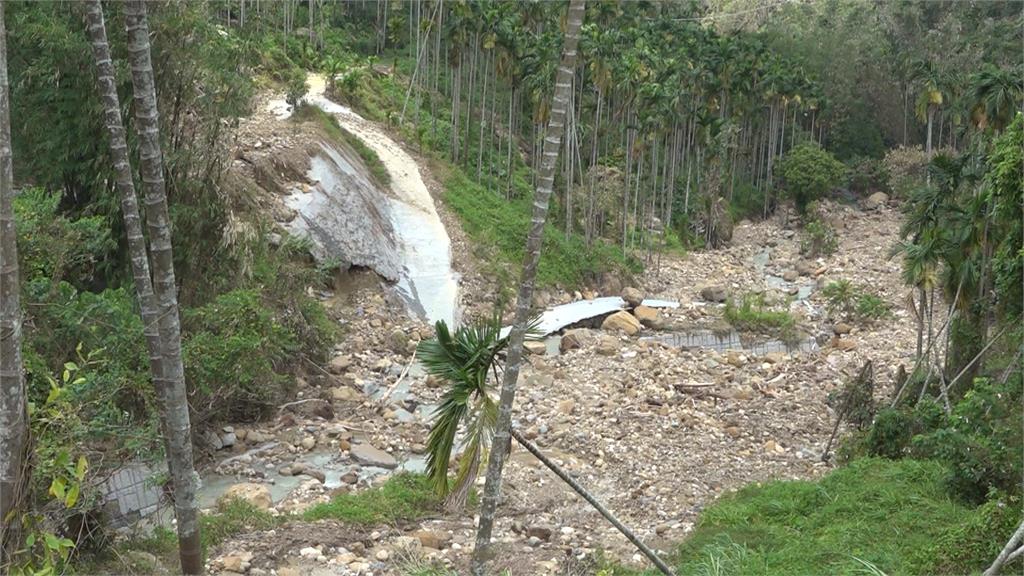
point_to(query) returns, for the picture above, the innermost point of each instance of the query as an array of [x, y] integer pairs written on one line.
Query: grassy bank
[[874, 516]]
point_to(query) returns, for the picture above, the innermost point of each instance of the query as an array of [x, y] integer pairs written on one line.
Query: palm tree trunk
[[171, 385], [533, 449], [148, 305], [920, 320], [552, 145], [13, 403]]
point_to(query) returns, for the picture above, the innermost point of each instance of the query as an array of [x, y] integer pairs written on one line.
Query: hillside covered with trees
[[447, 287]]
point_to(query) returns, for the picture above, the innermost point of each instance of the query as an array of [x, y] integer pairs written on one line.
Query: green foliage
[[236, 354], [45, 551], [980, 441], [295, 86], [818, 239], [906, 168], [231, 518], [1004, 182], [844, 300], [875, 511], [466, 360], [336, 131], [857, 135], [501, 226], [968, 547], [809, 173], [753, 314], [53, 246], [867, 175], [403, 497]]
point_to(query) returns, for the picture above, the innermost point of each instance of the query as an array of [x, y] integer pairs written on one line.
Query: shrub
[[753, 314], [818, 239], [237, 356], [980, 441], [295, 86], [51, 245], [867, 175], [906, 167], [844, 300], [808, 173]]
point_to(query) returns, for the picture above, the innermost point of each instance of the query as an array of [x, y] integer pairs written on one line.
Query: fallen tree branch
[[533, 449]]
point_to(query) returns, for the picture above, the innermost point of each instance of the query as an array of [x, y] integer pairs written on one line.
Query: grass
[[402, 497], [874, 516], [845, 299], [308, 113], [501, 227], [498, 227], [753, 314]]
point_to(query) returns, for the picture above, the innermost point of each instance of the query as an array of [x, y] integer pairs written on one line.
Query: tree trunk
[[148, 305], [552, 144], [1011, 550], [171, 385], [13, 403]]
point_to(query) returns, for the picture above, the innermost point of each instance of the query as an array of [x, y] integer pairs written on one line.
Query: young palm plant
[[469, 361]]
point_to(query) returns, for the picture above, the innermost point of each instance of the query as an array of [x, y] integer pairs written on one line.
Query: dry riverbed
[[655, 431]]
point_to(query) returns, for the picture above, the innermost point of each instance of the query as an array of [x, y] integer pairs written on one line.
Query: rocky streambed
[[658, 410]]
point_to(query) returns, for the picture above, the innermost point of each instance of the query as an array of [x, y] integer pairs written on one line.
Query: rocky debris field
[[655, 430], [656, 411]]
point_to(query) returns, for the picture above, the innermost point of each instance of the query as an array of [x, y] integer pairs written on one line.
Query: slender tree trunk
[[552, 144], [177, 427], [148, 305], [13, 403], [1011, 550]]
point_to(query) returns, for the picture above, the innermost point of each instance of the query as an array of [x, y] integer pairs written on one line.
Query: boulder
[[256, 494], [622, 321], [339, 364], [344, 394], [844, 344], [649, 317], [842, 328], [715, 293], [369, 455], [875, 201], [235, 562], [432, 539], [313, 408], [535, 347], [540, 531], [398, 341], [790, 275], [575, 339], [632, 296], [608, 346], [805, 268]]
